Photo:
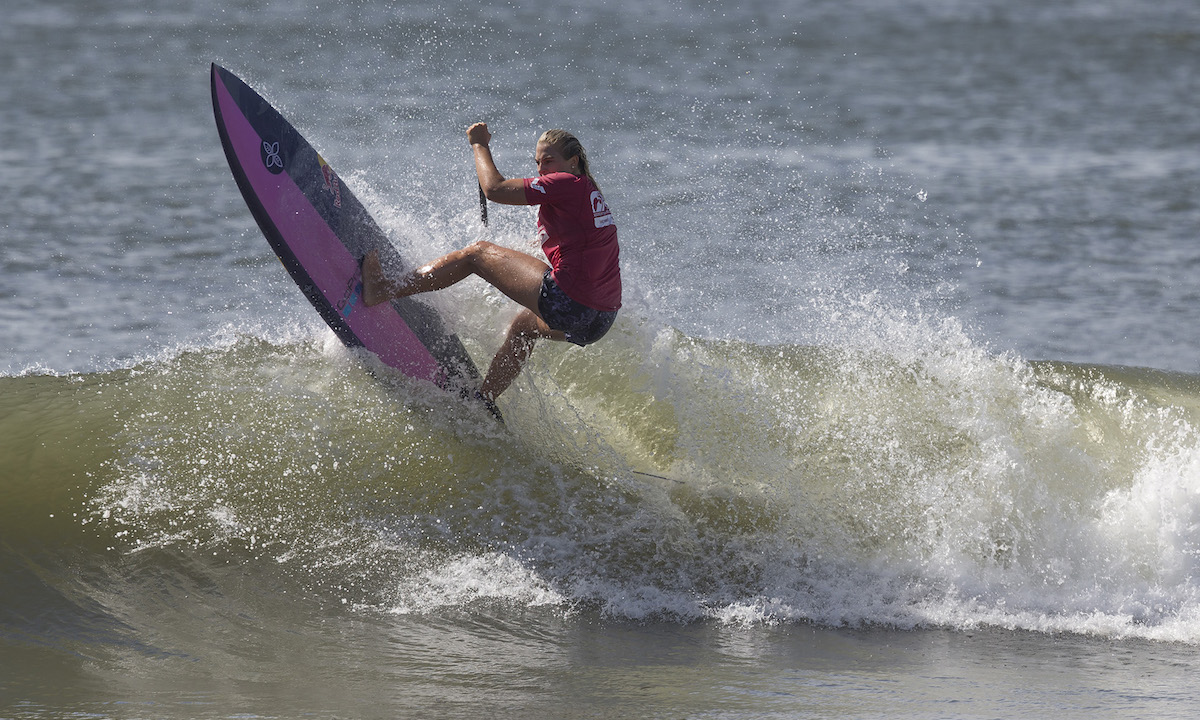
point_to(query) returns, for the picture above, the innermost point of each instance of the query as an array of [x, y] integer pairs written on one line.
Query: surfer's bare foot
[[375, 283]]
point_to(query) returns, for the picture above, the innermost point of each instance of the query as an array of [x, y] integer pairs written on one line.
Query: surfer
[[573, 298]]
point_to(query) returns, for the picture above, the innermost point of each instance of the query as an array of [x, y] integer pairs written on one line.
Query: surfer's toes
[[374, 282]]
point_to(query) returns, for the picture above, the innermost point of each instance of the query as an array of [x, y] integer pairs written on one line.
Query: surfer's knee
[[479, 249], [524, 328], [528, 328]]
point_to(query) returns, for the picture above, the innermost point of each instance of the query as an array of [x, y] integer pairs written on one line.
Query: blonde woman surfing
[[573, 297]]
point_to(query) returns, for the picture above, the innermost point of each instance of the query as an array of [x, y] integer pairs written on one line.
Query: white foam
[[469, 579]]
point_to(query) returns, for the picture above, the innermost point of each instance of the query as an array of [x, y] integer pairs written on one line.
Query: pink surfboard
[[321, 232]]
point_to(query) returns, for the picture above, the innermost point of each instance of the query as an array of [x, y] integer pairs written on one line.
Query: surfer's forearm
[[494, 185], [485, 168]]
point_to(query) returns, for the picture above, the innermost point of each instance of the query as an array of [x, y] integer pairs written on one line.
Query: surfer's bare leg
[[517, 275], [523, 332]]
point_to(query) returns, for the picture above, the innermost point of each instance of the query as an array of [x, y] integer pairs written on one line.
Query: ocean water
[[901, 417]]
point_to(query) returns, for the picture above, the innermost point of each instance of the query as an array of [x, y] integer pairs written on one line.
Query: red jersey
[[579, 236]]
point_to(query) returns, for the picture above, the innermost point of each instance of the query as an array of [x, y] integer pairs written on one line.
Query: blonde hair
[[570, 147]]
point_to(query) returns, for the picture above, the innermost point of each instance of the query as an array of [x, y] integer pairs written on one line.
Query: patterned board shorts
[[582, 324]]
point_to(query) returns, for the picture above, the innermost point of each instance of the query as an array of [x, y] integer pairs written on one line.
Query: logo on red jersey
[[600, 212]]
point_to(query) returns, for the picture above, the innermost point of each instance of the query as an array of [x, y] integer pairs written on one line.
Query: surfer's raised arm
[[495, 187]]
